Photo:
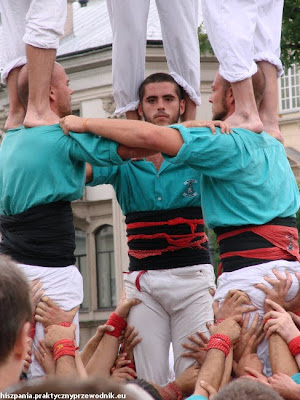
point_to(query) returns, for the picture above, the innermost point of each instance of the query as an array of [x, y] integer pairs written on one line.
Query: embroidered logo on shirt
[[190, 191], [290, 245]]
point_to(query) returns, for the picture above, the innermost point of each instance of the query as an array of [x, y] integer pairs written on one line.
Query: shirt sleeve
[[197, 397], [296, 378], [103, 175], [217, 155], [95, 150]]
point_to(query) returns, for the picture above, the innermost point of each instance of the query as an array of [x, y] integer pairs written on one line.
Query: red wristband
[[118, 323], [171, 392], [219, 342], [218, 321], [294, 346], [64, 347], [66, 324]]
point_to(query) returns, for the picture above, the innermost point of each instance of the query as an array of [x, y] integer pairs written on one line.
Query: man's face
[[218, 99], [63, 91], [160, 104]]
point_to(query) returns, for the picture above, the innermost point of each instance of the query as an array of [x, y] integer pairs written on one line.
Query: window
[[106, 281], [81, 263], [289, 92]]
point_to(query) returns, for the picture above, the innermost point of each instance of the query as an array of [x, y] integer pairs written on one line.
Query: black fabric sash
[[170, 259], [43, 235], [247, 241]]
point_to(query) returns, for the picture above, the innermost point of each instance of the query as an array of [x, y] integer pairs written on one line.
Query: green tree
[[290, 35]]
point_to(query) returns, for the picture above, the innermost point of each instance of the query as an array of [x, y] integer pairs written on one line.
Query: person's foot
[[273, 130], [34, 118], [14, 119], [252, 123]]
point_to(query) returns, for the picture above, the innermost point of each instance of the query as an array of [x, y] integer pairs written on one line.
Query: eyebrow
[[155, 97]]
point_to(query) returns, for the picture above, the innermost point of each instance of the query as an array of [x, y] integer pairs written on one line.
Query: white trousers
[[64, 286], [179, 21], [39, 23], [242, 32], [245, 279], [175, 303]]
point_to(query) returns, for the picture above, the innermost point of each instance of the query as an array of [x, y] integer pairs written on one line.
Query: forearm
[[137, 134], [104, 357], [281, 359], [227, 369], [212, 371], [65, 366]]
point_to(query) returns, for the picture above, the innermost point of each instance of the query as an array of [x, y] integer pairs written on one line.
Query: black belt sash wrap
[[182, 257], [43, 235]]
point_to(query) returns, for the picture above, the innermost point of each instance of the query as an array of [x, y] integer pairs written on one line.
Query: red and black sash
[[255, 244], [166, 239]]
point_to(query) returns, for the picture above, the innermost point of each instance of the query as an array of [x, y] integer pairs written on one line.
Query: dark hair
[[148, 387], [156, 78], [15, 305], [244, 389]]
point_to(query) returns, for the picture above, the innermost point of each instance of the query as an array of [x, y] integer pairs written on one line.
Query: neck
[[156, 159]]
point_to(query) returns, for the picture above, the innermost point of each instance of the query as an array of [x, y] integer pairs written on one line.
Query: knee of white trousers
[[45, 23], [270, 58], [239, 73], [18, 62], [193, 92], [132, 106]]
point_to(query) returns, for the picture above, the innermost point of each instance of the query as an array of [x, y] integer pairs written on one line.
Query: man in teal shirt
[[248, 192], [170, 269], [41, 172]]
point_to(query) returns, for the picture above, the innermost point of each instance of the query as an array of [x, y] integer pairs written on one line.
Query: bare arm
[[128, 132], [213, 368]]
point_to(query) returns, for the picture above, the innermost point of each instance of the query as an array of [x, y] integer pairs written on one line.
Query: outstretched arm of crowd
[[105, 354], [212, 370]]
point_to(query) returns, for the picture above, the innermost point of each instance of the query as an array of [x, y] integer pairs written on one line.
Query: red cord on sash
[[284, 238], [176, 242]]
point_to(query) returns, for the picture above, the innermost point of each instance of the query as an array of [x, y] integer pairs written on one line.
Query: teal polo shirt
[[246, 177], [140, 187], [42, 165]]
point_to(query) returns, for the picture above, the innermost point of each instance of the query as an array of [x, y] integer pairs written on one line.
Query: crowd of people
[[237, 338]]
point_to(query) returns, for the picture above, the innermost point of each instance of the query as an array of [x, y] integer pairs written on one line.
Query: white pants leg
[[230, 26], [45, 23], [39, 23], [179, 26], [64, 286], [13, 23], [175, 303], [245, 279], [128, 20], [268, 33]]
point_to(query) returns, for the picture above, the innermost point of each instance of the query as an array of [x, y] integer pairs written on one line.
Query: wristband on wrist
[[218, 321], [84, 124], [118, 323], [66, 324], [171, 392], [64, 347], [294, 346], [219, 342]]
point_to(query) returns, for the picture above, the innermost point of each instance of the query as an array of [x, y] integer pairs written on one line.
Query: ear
[[181, 107], [230, 96], [20, 348], [140, 110], [52, 93]]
